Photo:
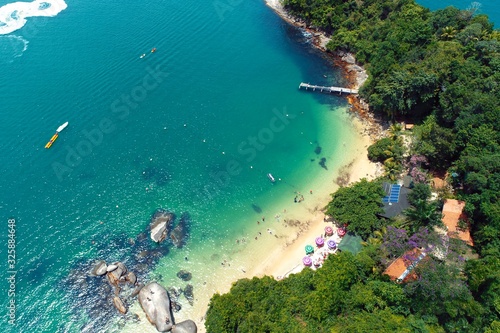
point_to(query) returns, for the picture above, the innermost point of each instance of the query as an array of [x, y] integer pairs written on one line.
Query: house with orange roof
[[452, 215], [400, 270]]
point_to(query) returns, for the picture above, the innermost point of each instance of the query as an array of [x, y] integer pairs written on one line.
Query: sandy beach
[[276, 244]]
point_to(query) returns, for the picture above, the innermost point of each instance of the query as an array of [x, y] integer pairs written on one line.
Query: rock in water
[[100, 268], [180, 233], [122, 266], [114, 276], [131, 277], [137, 290], [111, 268], [156, 304], [186, 326], [188, 292], [119, 304], [160, 224], [184, 275]]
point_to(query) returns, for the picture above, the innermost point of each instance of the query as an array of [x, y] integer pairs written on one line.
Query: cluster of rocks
[[154, 299], [162, 226], [119, 278]]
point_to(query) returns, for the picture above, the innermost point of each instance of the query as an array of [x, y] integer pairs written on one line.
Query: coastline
[[355, 74], [279, 253]]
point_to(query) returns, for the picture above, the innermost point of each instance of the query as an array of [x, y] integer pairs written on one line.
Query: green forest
[[441, 71]]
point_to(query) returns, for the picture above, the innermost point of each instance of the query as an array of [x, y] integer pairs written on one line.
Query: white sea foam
[[13, 15], [12, 47]]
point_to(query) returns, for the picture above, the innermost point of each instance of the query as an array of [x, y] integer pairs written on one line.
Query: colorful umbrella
[[309, 249], [341, 232], [307, 261], [331, 244], [328, 230], [320, 241]]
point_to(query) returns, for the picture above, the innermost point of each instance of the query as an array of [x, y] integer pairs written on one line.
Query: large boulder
[[119, 304], [186, 326], [161, 223], [100, 268], [155, 302]]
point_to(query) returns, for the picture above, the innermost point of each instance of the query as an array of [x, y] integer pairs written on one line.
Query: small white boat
[[271, 178]]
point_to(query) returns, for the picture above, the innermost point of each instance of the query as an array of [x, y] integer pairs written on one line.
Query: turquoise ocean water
[[220, 93], [218, 96]]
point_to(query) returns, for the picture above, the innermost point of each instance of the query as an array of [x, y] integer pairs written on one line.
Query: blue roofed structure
[[395, 200]]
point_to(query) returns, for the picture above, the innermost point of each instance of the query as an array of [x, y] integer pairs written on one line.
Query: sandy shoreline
[[279, 245]]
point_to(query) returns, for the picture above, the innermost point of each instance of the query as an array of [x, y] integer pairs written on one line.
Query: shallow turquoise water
[[160, 131]]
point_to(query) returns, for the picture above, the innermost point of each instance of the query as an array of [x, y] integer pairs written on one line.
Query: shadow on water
[[256, 208], [90, 298]]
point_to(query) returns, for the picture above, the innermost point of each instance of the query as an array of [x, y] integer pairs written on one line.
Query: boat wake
[[12, 47], [13, 15]]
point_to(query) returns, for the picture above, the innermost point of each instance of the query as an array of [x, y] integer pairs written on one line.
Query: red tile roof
[[404, 264], [452, 213]]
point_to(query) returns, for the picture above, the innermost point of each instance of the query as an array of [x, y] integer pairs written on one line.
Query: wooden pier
[[339, 90]]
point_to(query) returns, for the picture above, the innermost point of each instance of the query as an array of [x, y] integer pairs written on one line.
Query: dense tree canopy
[[357, 207], [440, 70]]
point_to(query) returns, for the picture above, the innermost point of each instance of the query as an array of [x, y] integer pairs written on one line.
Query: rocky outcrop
[[100, 268], [161, 222], [115, 275], [119, 304], [155, 302], [186, 326]]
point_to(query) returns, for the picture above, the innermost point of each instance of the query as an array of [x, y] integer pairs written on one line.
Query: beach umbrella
[[331, 244], [341, 232], [328, 231], [320, 241], [307, 261], [309, 249]]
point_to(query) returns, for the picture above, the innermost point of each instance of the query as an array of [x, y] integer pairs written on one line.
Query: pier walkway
[[340, 90]]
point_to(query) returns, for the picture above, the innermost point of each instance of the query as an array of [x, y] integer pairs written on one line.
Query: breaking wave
[[13, 15]]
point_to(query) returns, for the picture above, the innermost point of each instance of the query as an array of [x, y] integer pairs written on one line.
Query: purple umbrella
[[307, 261], [331, 244], [320, 241]]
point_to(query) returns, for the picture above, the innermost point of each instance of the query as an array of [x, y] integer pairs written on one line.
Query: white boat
[[271, 178], [60, 128]]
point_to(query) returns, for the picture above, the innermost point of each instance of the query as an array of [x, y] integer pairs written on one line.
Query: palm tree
[[448, 33], [392, 168], [423, 214], [377, 238]]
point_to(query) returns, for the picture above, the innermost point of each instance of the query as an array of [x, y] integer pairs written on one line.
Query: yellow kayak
[[52, 139]]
